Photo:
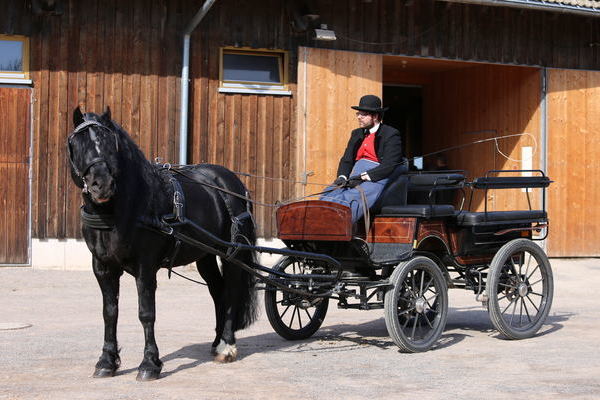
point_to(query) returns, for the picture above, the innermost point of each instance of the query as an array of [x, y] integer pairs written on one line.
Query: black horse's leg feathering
[[108, 280], [209, 271], [145, 281]]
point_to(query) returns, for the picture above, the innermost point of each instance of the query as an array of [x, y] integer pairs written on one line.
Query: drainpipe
[[535, 5], [185, 76]]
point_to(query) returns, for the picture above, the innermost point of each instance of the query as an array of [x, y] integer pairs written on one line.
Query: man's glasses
[[363, 114]]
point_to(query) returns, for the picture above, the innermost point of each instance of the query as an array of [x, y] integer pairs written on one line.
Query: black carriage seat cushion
[[394, 192], [418, 210], [465, 218]]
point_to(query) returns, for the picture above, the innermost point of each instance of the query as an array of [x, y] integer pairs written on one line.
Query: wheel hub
[[420, 305], [523, 289]]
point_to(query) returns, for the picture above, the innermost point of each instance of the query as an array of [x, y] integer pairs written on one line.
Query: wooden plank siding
[[332, 82], [476, 103], [15, 131], [573, 144], [127, 55]]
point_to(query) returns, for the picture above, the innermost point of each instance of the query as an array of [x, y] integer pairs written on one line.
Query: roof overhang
[[565, 6]]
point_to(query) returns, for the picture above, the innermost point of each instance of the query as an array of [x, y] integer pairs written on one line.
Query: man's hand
[[354, 181], [340, 181]]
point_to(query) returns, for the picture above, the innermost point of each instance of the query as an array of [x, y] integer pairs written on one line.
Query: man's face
[[365, 120]]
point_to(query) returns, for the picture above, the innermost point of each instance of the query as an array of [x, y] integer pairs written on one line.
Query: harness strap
[[97, 221]]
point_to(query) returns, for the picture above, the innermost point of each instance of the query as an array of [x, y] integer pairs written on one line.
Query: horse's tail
[[248, 298]]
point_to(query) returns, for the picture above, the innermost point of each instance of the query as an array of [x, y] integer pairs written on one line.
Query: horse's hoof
[[226, 353], [147, 375], [104, 373], [224, 358]]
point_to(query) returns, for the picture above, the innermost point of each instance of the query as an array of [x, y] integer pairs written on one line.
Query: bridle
[[84, 126]]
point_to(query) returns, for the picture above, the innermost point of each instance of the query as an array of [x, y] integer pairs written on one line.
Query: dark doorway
[[405, 114]]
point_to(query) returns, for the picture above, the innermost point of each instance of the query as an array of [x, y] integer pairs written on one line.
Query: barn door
[[329, 82], [14, 175], [573, 99]]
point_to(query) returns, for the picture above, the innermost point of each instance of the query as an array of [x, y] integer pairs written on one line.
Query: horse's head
[[93, 152]]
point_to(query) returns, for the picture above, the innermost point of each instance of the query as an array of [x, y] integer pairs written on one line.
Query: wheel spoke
[[431, 298], [285, 311], [291, 325], [532, 272], [427, 286], [513, 313], [427, 320], [506, 285], [536, 282], [422, 279], [406, 311], [533, 304], [526, 310], [537, 294], [520, 264], [406, 323], [299, 319], [521, 312], [414, 328], [308, 314], [503, 311], [528, 261]]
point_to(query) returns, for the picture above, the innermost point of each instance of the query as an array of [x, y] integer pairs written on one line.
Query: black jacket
[[388, 147]]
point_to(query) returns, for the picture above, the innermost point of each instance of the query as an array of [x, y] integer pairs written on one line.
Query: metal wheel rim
[[522, 291]]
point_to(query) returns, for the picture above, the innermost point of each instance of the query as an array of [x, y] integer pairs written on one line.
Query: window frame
[[17, 77], [232, 86]]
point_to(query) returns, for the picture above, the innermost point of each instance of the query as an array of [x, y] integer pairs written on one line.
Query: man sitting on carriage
[[373, 153]]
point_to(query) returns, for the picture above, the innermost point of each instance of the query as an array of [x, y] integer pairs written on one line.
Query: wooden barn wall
[[127, 55], [330, 83], [463, 106], [15, 132], [573, 146]]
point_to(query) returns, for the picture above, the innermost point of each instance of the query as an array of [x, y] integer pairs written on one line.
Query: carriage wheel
[[292, 316], [520, 289], [416, 307]]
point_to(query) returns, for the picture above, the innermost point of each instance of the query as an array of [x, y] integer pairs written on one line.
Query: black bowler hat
[[370, 103]]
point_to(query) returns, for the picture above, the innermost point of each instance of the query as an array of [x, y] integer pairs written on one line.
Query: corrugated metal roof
[[583, 7], [576, 3]]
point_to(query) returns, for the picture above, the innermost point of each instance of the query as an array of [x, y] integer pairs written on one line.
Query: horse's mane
[[141, 189]]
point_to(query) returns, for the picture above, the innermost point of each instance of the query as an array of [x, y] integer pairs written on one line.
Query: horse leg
[[209, 271], [226, 349], [108, 280], [151, 365]]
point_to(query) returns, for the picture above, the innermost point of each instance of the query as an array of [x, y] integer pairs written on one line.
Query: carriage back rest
[[511, 182], [434, 187], [394, 192]]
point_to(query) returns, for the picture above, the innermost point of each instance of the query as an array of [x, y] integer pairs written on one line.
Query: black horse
[[125, 201]]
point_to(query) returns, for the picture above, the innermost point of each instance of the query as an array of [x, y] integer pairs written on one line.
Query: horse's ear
[[77, 117], [106, 115]]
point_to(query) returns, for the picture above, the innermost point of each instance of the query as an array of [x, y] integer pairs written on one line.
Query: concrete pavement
[[350, 357]]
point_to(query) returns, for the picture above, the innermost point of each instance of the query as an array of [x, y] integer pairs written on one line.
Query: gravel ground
[[350, 357]]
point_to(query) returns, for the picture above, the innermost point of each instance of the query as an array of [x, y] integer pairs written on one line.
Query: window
[[14, 59], [253, 71]]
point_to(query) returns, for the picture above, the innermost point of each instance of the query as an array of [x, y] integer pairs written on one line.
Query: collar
[[375, 128]]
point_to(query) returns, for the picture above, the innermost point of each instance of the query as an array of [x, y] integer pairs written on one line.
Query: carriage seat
[[418, 210], [466, 218], [428, 182], [395, 191]]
